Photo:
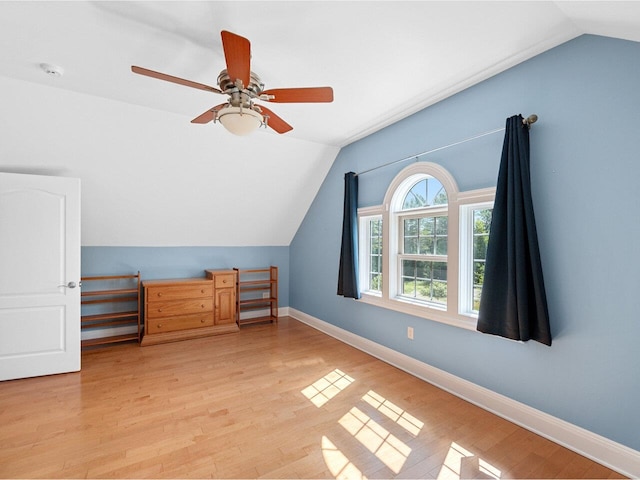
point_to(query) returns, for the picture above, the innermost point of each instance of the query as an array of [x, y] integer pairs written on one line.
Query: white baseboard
[[282, 311], [616, 456]]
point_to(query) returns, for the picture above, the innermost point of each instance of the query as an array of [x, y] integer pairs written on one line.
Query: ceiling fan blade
[[237, 54], [274, 121], [172, 79], [300, 95], [207, 116]]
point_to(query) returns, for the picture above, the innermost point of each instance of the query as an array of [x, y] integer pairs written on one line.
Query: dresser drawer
[[182, 322], [226, 280], [179, 307], [177, 292]]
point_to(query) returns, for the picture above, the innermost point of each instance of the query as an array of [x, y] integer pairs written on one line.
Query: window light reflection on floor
[[461, 463], [403, 418], [377, 439], [339, 465], [324, 389]]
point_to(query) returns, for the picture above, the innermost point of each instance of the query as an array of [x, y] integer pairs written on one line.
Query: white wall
[[153, 178]]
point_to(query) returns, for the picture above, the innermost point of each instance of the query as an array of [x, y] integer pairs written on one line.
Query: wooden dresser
[[180, 309]]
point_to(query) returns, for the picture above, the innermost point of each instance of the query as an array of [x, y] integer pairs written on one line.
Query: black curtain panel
[[348, 273], [513, 303]]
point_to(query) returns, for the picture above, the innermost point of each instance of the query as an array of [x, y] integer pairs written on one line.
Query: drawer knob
[[224, 281], [159, 309], [202, 290], [202, 320], [202, 305], [159, 325], [159, 294]]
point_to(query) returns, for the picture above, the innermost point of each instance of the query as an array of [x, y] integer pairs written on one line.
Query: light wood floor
[[279, 401]]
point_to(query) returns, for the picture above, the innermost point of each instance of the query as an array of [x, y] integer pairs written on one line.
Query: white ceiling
[[384, 59]]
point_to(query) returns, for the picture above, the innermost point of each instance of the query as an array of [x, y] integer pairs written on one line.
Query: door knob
[[69, 285]]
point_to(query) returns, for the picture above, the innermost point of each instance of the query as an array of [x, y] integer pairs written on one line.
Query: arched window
[[420, 250]]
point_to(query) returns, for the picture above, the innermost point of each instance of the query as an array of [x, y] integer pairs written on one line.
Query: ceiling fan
[[240, 115]]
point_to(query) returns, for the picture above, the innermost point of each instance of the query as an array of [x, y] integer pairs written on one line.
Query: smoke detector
[[53, 70]]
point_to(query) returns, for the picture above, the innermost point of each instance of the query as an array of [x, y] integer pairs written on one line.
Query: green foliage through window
[[481, 227], [426, 193], [375, 255], [425, 280]]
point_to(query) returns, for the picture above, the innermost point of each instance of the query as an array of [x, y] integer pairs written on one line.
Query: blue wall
[[585, 170], [185, 262]]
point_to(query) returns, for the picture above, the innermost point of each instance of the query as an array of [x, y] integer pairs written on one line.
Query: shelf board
[[107, 316], [254, 270], [254, 301], [108, 277], [109, 323], [265, 281], [252, 289], [133, 298], [268, 318], [102, 293], [106, 340]]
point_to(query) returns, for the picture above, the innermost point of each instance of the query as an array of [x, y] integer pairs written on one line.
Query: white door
[[39, 275]]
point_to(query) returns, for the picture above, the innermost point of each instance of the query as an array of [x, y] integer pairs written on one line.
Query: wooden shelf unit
[[117, 294], [257, 290]]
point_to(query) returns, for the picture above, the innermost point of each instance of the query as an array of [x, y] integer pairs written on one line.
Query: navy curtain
[[513, 302], [348, 273]]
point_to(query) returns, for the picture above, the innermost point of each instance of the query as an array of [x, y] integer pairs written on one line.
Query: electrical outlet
[[410, 333], [265, 294]]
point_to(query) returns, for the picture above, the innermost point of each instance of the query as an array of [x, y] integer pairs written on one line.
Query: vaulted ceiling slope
[[384, 60]]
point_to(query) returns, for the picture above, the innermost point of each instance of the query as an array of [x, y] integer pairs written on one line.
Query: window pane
[[410, 245], [426, 245], [416, 197], [425, 193], [376, 228], [482, 220], [481, 227], [410, 230], [425, 280], [423, 289], [376, 246], [409, 268], [439, 271], [374, 259], [441, 246], [423, 269], [439, 292], [426, 226], [480, 243], [477, 291], [411, 227], [376, 282], [442, 225], [375, 263]]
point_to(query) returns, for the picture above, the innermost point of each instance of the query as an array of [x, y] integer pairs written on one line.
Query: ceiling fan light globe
[[240, 121]]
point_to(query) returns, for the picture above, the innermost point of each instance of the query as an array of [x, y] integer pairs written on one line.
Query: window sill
[[409, 308]]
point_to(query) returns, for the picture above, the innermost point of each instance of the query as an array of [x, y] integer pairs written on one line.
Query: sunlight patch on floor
[[327, 387], [461, 463], [407, 421], [378, 440], [339, 465]]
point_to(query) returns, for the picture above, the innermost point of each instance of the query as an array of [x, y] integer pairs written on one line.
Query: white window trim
[[469, 201], [388, 298], [365, 215]]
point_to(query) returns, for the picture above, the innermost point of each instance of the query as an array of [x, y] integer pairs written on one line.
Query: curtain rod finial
[[531, 119]]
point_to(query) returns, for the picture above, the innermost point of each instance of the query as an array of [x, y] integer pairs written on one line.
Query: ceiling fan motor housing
[[227, 85]]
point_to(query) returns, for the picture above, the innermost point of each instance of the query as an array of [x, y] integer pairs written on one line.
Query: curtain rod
[[530, 120]]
